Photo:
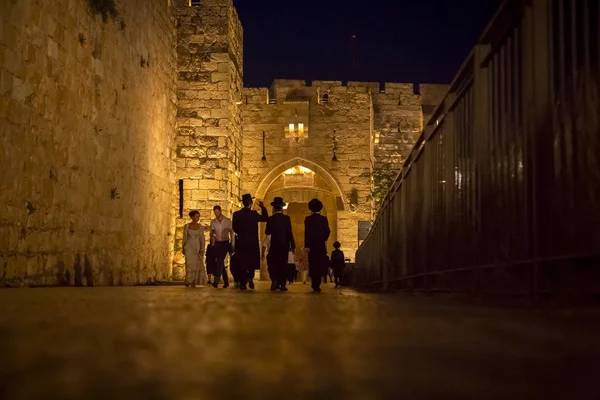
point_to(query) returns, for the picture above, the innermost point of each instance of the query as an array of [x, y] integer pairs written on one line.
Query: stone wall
[[101, 121], [87, 114], [398, 122], [400, 115], [347, 113], [374, 124], [209, 86]]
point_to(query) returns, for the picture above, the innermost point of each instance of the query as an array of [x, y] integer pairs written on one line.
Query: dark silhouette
[[211, 261], [279, 226], [316, 233], [337, 264], [247, 248]]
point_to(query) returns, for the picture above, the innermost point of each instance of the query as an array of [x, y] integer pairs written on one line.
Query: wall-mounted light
[[264, 157], [334, 146]]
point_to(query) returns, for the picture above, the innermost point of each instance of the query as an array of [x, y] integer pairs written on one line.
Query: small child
[[337, 264], [211, 261], [292, 272]]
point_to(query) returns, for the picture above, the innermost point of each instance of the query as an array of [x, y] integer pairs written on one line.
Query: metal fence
[[500, 192]]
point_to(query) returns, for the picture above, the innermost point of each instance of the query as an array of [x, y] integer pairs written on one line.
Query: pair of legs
[[278, 270], [246, 278], [292, 273], [221, 250], [337, 275], [317, 265], [304, 276], [191, 276]]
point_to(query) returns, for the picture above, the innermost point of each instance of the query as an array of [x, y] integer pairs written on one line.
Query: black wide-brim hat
[[247, 196], [278, 201], [315, 205]]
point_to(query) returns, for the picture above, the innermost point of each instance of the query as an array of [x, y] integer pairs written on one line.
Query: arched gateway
[[319, 170], [299, 180]]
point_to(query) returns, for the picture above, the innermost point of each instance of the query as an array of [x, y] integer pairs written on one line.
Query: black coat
[[245, 225], [316, 233], [279, 226], [337, 260]]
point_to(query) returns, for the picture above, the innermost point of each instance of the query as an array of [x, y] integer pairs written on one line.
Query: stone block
[[52, 49], [216, 131], [219, 113], [203, 141], [192, 163], [199, 195], [217, 152], [191, 152], [223, 67], [217, 195], [196, 38], [216, 77]]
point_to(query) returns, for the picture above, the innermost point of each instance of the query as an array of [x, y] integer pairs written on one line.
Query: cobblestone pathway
[[173, 342]]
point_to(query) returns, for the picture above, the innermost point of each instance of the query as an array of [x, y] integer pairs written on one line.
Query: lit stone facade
[[87, 122], [364, 122], [209, 127], [104, 123]]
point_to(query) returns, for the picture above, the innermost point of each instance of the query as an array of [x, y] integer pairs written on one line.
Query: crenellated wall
[[372, 123], [87, 117]]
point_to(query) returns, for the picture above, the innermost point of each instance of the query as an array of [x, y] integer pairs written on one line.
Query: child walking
[[337, 264]]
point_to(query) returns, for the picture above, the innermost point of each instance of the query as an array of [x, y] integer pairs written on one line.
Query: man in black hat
[[316, 233], [247, 249], [279, 227]]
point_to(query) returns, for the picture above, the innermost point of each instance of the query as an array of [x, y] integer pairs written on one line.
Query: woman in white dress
[[194, 244]]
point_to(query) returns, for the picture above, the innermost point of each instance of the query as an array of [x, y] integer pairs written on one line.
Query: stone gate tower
[[209, 86], [296, 139]]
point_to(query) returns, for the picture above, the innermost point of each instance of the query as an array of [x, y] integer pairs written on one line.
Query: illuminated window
[[296, 131]]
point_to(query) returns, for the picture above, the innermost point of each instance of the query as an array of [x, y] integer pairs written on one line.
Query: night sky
[[418, 41]]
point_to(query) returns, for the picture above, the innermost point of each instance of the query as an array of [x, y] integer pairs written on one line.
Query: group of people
[[239, 238]]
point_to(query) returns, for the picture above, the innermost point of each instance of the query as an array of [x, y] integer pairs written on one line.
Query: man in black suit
[[279, 227], [316, 233], [245, 225]]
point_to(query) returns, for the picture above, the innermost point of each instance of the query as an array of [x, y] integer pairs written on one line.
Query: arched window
[[325, 98]]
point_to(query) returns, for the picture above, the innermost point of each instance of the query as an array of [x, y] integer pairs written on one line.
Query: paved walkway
[[203, 343]]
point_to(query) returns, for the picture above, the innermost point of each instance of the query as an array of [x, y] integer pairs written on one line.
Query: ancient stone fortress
[[113, 131]]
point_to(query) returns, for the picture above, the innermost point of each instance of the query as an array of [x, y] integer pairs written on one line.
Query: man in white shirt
[[222, 237]]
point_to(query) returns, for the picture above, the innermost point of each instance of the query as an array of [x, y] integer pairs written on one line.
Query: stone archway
[[317, 168], [297, 198]]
